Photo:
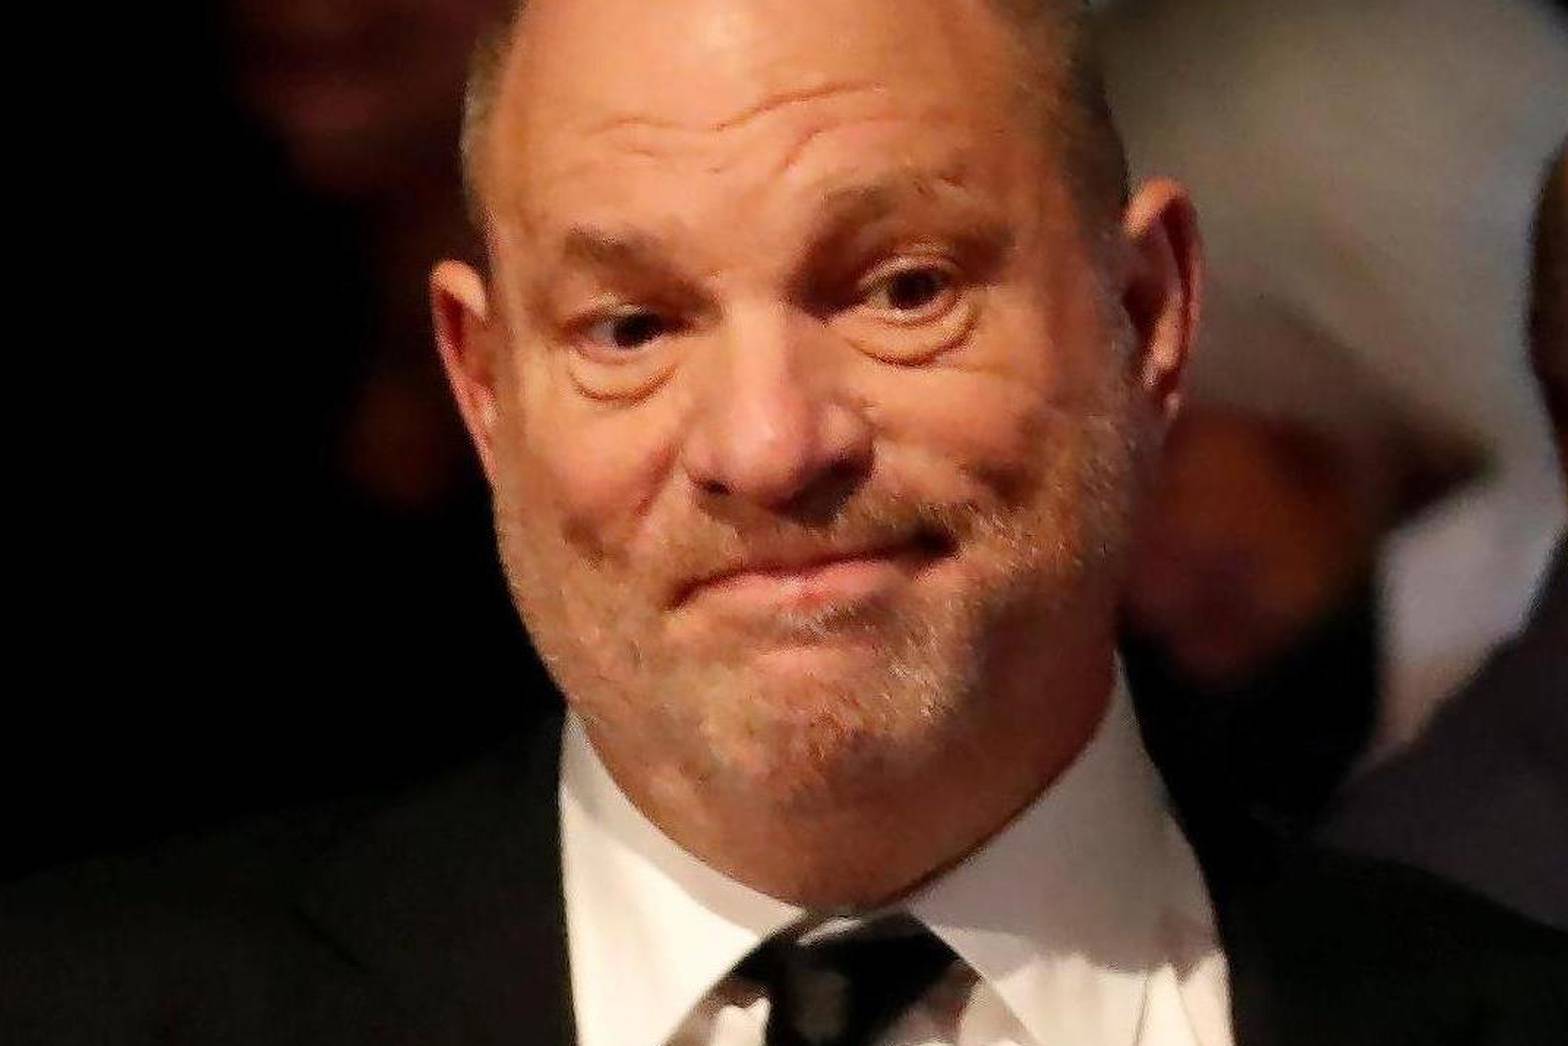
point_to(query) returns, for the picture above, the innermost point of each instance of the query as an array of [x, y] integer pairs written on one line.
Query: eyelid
[[612, 375], [909, 261], [609, 306], [916, 336], [580, 332], [949, 296], [616, 311], [586, 301]]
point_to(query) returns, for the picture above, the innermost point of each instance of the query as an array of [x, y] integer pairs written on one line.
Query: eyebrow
[[616, 257], [637, 252], [844, 213], [855, 210], [868, 203]]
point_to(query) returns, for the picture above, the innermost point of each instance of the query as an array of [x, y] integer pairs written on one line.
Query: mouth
[[821, 577]]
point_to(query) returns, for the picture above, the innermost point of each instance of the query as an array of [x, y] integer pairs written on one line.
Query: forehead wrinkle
[[750, 114], [652, 138], [821, 128], [841, 209]]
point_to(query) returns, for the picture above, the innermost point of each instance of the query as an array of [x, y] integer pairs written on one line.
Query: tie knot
[[838, 989]]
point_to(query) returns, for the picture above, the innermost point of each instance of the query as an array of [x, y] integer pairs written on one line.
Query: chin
[[813, 726]]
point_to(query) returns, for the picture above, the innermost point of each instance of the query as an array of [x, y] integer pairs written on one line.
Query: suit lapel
[[1340, 950], [452, 902]]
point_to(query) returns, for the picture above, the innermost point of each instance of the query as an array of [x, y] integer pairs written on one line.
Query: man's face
[[811, 436]]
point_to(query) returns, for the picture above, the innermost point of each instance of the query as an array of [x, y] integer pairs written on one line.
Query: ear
[[469, 347], [1163, 291]]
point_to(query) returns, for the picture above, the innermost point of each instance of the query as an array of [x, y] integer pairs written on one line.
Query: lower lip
[[838, 582]]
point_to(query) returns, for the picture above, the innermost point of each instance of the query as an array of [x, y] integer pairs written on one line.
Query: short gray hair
[[1056, 35]]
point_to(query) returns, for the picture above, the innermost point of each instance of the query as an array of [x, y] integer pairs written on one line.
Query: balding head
[[807, 384], [1061, 85], [1549, 296]]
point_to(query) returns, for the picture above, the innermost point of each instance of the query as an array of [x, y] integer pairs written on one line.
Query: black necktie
[[847, 989]]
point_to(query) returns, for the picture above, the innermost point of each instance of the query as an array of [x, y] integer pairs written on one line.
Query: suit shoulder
[[212, 939], [1359, 951]]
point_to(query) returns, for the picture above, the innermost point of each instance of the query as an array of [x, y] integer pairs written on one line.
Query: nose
[[771, 425]]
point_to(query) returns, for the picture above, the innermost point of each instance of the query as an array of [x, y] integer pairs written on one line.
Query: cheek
[[984, 426], [598, 470], [989, 409]]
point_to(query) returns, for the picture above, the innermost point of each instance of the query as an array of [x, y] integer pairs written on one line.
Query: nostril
[[934, 542], [822, 497]]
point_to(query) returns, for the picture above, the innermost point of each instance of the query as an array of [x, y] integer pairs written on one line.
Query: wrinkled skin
[[816, 413]]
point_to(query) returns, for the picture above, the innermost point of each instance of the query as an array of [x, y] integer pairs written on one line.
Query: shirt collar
[[1065, 912], [650, 928], [1069, 909]]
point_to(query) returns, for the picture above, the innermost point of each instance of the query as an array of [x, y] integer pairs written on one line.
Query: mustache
[[708, 548]]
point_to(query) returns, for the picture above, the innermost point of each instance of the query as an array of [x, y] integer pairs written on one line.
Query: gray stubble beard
[[826, 738]]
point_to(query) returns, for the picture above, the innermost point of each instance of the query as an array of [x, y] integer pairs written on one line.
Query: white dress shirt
[[1084, 922]]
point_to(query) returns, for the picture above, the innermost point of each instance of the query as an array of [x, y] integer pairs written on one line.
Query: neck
[[870, 849]]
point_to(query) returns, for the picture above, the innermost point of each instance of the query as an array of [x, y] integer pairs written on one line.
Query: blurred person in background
[[1482, 796], [302, 542], [1363, 495], [359, 93], [358, 99], [386, 571]]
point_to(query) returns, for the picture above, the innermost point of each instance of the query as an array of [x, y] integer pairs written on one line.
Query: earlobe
[[1163, 290], [460, 308]]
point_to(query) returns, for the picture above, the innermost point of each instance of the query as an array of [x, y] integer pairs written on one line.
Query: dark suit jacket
[[437, 919], [1482, 796]]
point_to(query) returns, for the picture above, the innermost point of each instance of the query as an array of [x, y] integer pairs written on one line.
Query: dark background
[[214, 618], [215, 614]]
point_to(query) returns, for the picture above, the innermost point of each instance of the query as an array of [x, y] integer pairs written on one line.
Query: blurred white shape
[[1365, 174]]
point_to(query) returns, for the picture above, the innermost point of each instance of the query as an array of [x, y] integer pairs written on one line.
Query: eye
[[628, 330], [911, 309], [913, 293], [620, 352]]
